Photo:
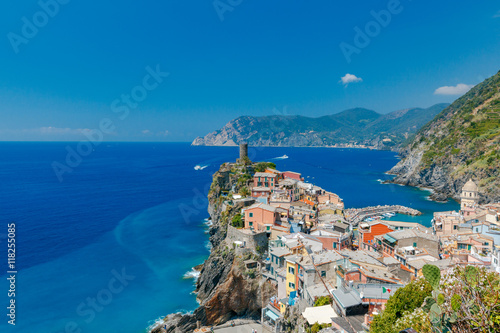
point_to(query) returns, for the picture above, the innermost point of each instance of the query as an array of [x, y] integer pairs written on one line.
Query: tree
[[237, 221], [262, 166], [405, 299], [244, 191]]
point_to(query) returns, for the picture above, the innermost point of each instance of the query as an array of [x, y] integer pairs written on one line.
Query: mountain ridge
[[352, 127]]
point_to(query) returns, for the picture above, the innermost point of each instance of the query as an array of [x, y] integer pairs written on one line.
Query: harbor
[[356, 215]]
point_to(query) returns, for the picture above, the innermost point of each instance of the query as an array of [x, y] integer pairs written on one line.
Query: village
[[337, 267]]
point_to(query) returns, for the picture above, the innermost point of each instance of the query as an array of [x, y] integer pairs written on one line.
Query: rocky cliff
[[351, 127], [223, 289], [461, 142]]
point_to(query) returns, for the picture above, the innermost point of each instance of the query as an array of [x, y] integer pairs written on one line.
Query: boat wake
[[284, 157], [201, 166]]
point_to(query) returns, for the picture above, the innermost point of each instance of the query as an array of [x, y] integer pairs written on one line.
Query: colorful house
[[292, 274], [261, 217], [265, 179]]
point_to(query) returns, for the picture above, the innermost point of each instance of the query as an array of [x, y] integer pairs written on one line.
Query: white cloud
[[163, 133], [59, 130], [146, 131], [350, 78], [459, 89]]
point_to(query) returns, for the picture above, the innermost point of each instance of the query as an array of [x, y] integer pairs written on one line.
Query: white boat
[[200, 167]]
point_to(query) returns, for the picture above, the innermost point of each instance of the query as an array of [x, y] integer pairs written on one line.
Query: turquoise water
[[106, 250]]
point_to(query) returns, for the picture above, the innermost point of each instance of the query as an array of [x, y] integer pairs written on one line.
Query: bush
[[323, 300], [244, 191], [262, 166], [237, 221], [406, 299], [318, 327]]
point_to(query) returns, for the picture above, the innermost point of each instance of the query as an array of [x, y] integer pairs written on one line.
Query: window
[[323, 273], [250, 223], [291, 270], [291, 285], [250, 214], [414, 244], [454, 227]]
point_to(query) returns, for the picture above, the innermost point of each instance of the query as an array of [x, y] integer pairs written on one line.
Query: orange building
[[368, 231]]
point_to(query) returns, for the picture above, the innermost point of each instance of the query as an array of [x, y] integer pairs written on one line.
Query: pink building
[[292, 175], [261, 217], [261, 192], [264, 179]]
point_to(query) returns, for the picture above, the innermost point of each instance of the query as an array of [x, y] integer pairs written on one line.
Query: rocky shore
[[223, 290]]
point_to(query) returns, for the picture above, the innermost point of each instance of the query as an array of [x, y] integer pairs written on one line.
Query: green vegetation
[[405, 300], [357, 125], [466, 300], [323, 300], [246, 161], [243, 179], [237, 221], [244, 191], [250, 273], [317, 327], [262, 166], [463, 139]]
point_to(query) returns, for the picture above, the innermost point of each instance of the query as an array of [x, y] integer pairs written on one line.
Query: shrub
[[404, 300], [237, 221], [323, 300]]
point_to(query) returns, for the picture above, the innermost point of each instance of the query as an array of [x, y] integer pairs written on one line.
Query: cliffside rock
[[461, 142], [222, 288]]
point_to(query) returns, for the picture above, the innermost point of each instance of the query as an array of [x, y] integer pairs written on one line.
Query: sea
[[110, 245]]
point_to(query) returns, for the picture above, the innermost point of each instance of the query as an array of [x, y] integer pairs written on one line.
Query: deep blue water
[[137, 209]]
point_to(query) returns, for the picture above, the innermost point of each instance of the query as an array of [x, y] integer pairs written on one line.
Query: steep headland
[[461, 142], [224, 288], [354, 127]]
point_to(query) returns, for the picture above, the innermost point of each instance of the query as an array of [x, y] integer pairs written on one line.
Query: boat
[[200, 167]]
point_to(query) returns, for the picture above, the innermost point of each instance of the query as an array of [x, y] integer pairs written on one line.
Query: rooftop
[[361, 256], [402, 234], [264, 174], [280, 251], [326, 257]]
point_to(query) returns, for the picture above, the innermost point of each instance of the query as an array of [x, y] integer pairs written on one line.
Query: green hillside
[[462, 141]]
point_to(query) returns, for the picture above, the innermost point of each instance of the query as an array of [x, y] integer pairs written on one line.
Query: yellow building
[[291, 275]]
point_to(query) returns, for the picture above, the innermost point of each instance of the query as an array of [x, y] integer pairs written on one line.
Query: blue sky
[[72, 69]]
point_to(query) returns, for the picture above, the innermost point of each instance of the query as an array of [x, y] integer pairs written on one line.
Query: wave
[[192, 274]]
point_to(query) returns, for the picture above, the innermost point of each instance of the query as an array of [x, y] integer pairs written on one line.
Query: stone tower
[[243, 151], [469, 197]]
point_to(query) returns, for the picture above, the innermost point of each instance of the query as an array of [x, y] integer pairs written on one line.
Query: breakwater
[[356, 215]]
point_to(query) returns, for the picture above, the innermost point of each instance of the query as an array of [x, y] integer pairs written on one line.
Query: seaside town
[[336, 268]]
